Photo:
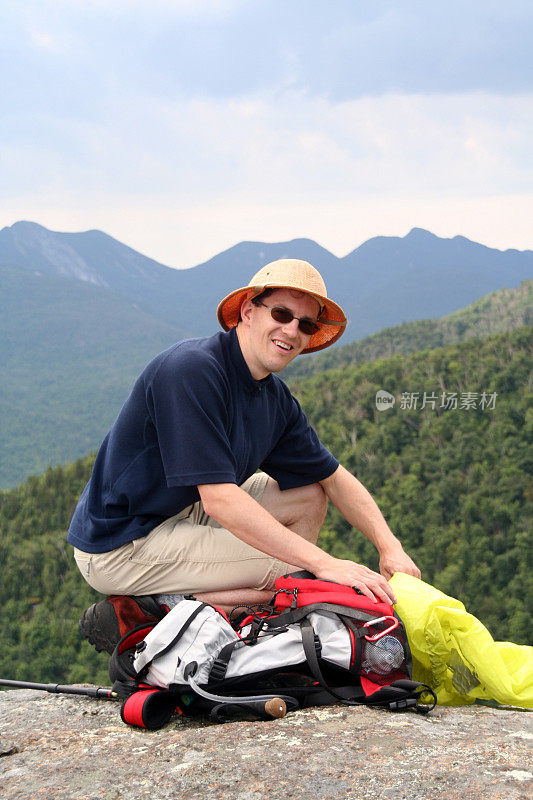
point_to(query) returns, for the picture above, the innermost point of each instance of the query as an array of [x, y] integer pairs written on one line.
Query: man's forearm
[[235, 510], [358, 507], [239, 513]]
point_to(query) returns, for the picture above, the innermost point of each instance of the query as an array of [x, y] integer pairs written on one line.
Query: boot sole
[[90, 630]]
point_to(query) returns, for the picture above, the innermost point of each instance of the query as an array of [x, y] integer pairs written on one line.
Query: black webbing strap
[[309, 639], [181, 631], [288, 617], [121, 665], [316, 696], [417, 689], [221, 662]]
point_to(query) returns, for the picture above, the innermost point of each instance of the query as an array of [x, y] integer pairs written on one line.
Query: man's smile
[[283, 345]]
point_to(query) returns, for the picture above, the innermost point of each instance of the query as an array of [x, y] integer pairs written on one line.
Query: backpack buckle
[[394, 624], [218, 670], [400, 705]]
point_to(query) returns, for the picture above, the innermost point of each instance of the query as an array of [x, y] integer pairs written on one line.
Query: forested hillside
[[454, 483], [498, 312], [42, 593], [66, 367], [452, 472]]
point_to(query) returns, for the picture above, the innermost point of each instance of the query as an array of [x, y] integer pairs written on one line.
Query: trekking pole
[[103, 693]]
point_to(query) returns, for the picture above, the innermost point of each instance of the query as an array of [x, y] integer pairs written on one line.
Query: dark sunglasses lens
[[284, 316], [308, 327]]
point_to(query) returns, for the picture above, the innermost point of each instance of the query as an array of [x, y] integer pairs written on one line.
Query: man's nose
[[291, 328]]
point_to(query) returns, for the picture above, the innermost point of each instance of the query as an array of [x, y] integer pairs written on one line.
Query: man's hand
[[396, 560], [349, 573]]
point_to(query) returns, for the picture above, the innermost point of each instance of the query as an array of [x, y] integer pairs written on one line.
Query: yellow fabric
[[455, 654]]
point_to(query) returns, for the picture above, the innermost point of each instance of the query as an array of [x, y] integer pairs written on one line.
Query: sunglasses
[[284, 316]]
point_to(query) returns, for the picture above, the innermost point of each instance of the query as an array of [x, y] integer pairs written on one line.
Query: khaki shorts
[[186, 554]]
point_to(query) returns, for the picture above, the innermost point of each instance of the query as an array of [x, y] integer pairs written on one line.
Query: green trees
[[42, 594], [454, 484]]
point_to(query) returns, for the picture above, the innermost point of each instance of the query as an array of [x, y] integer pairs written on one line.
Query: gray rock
[[74, 747]]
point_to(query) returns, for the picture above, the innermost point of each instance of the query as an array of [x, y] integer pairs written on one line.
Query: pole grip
[[276, 708]]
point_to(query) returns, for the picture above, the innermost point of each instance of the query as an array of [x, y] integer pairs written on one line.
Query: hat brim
[[332, 319]]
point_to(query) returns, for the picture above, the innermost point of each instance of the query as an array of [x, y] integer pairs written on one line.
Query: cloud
[[43, 40], [300, 145], [274, 168], [416, 47], [276, 111], [233, 48]]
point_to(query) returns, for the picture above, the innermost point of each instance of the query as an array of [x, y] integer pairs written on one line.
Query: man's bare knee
[[302, 509], [317, 500]]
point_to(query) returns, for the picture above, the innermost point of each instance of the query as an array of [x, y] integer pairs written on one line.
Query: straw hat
[[289, 273]]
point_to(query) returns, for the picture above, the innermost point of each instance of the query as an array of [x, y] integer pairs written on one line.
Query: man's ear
[[247, 308]]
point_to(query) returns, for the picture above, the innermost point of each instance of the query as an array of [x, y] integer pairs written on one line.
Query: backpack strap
[[121, 670], [297, 614], [221, 663], [311, 645], [142, 645]]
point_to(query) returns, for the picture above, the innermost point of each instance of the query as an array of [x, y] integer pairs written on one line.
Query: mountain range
[[385, 281], [81, 314]]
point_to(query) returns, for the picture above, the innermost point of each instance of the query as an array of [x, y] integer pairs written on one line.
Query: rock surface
[[57, 746]]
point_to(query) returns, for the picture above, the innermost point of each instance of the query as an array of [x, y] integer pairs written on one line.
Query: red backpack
[[315, 643]]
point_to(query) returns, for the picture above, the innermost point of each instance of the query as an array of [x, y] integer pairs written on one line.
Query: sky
[[182, 127]]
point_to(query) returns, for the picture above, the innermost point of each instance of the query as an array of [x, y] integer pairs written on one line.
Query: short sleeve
[[188, 402], [299, 458]]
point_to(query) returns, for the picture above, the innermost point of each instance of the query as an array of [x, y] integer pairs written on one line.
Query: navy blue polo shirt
[[195, 416]]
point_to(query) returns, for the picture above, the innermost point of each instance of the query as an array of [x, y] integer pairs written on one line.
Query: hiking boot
[[106, 622]]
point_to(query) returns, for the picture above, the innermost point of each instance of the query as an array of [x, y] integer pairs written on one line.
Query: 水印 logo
[[384, 400]]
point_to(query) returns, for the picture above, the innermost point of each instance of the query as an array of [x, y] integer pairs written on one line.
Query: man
[[175, 504]]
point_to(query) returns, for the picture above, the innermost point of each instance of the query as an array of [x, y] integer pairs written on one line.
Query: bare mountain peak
[[51, 252]]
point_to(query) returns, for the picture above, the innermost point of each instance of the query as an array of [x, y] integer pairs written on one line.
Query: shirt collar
[[241, 367]]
